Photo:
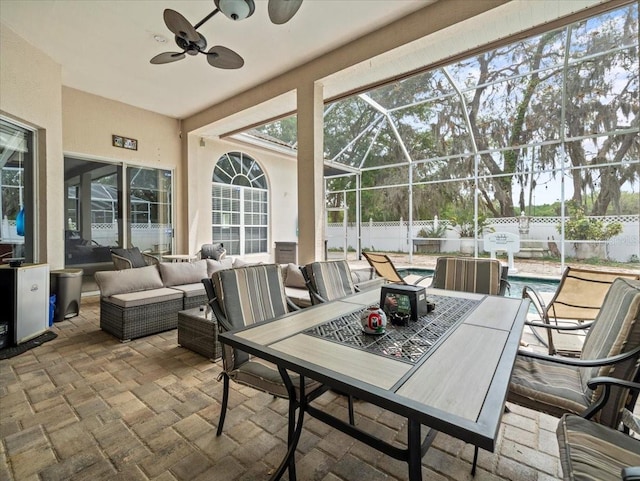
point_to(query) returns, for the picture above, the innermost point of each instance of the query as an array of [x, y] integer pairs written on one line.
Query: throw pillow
[[294, 277], [111, 283], [133, 254], [180, 273], [214, 266]]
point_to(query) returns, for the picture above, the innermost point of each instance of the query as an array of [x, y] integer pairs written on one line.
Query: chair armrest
[[418, 281], [120, 262], [312, 292], [149, 259], [607, 383], [533, 295], [631, 473], [555, 327], [583, 362], [292, 306]]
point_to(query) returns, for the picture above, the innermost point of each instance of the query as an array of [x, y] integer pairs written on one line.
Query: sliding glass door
[[111, 205]]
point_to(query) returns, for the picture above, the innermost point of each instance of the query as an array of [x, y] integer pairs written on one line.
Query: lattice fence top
[[406, 343], [631, 218]]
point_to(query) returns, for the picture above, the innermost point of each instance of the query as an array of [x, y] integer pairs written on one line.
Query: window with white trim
[[239, 200]]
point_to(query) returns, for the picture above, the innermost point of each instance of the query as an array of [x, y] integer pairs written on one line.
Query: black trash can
[[66, 284]]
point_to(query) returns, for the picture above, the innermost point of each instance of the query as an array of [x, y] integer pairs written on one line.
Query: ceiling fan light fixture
[[236, 9]]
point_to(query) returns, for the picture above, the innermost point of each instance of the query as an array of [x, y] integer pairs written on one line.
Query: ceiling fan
[[192, 42]]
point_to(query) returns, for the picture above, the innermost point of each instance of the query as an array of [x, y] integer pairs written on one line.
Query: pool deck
[[543, 269]]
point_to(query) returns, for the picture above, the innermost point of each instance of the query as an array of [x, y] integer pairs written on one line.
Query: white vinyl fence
[[395, 236]]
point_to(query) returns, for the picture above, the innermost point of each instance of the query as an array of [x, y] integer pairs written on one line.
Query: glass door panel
[[93, 213], [150, 219]]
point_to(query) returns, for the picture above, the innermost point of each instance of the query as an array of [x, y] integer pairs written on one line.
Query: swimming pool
[[516, 283]]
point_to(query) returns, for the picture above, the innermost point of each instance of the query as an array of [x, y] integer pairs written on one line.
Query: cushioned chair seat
[[191, 290], [590, 451], [532, 387], [263, 375]]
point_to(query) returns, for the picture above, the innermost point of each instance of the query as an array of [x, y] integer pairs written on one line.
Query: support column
[[311, 203]]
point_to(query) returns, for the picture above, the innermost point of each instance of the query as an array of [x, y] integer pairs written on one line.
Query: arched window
[[239, 204]]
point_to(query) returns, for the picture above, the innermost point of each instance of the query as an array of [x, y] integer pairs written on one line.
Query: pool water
[[516, 282]]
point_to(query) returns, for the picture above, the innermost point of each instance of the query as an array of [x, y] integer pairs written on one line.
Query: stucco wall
[[283, 193], [31, 94], [89, 121], [69, 121]]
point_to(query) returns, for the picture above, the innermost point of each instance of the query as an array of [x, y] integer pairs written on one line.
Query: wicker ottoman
[[199, 333]]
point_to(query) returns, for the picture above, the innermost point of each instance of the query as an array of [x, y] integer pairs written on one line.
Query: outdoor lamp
[[236, 9], [523, 223]]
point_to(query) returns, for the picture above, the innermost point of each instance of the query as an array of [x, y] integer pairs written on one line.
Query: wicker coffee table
[[199, 332]]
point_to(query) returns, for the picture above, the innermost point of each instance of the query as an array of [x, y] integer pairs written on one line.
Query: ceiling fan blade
[[180, 26], [281, 11], [167, 57], [223, 57]]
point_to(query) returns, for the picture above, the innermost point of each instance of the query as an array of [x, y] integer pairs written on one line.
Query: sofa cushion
[[294, 277], [214, 266], [179, 273], [112, 283], [143, 298], [237, 262], [362, 275], [191, 290], [134, 255]]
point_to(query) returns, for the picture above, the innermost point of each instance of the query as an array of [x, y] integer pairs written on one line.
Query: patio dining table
[[448, 371]]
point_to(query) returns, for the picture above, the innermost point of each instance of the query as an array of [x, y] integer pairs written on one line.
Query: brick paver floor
[[87, 407]]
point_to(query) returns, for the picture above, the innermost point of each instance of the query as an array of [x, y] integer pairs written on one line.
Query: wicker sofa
[[146, 300]]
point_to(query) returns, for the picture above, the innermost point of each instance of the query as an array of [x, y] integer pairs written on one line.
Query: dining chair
[[131, 258], [590, 451], [241, 297], [328, 280], [576, 300], [557, 385], [213, 251], [468, 274]]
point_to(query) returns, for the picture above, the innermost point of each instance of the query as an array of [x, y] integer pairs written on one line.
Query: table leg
[[415, 451], [294, 429]]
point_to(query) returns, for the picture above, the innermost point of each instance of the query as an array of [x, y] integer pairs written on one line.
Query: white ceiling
[[104, 46]]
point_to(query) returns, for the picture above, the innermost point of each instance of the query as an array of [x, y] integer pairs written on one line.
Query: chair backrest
[[615, 330], [384, 267], [467, 274], [213, 251], [581, 293], [127, 258], [329, 279], [245, 296]]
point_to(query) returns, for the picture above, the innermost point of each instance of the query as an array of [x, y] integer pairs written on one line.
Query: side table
[[199, 332]]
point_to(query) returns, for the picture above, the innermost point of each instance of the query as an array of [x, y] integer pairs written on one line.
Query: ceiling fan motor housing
[[192, 48]]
